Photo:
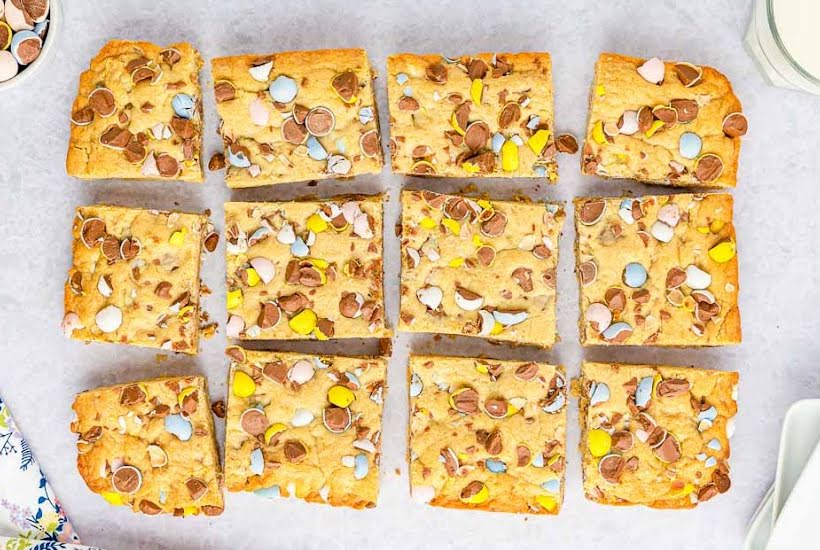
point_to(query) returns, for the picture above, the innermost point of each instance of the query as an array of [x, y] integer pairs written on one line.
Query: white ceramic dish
[[760, 527], [800, 435], [55, 26]]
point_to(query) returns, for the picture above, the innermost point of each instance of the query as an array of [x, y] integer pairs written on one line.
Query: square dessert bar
[[657, 436], [479, 268], [150, 445], [487, 115], [134, 278], [138, 114], [305, 426], [296, 116], [657, 270], [487, 435], [662, 122], [305, 269]]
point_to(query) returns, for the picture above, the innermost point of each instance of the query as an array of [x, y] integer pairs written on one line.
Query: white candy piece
[[430, 296], [697, 279], [71, 322], [302, 417], [8, 66], [487, 322], [630, 123], [235, 326], [509, 319], [286, 234], [337, 164], [260, 73], [652, 70], [259, 112], [264, 268], [468, 304], [599, 316], [662, 232], [301, 372], [104, 288], [669, 214], [109, 318], [16, 18], [422, 493]]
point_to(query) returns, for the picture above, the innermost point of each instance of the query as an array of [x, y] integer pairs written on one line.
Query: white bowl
[[55, 22]]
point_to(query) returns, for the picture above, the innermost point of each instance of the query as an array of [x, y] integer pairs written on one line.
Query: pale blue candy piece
[[552, 209], [319, 364], [416, 385], [299, 248], [163, 497], [41, 28], [269, 492], [315, 149], [714, 444], [709, 414], [260, 234], [361, 466], [634, 275], [625, 211], [401, 78], [600, 394], [644, 391], [701, 456], [539, 171], [690, 145], [341, 146], [366, 115], [282, 89], [533, 122], [711, 462], [184, 105], [556, 405], [238, 159], [497, 142], [615, 329], [538, 460], [552, 486], [18, 38], [495, 466], [178, 426], [408, 91], [257, 462], [354, 379]]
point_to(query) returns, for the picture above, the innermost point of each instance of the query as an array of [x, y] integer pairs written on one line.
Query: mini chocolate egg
[[8, 66], [16, 19], [25, 47], [5, 34]]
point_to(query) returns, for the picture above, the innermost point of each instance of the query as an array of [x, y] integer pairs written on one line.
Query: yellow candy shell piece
[[9, 32], [547, 502], [190, 511], [454, 124], [599, 443], [657, 125], [600, 90], [497, 328], [538, 141], [341, 396], [479, 498], [243, 385], [452, 225], [682, 492], [484, 204], [477, 90], [723, 252], [319, 263], [428, 223], [716, 226], [477, 242], [470, 167], [321, 336], [253, 277], [274, 429], [112, 498], [178, 237], [598, 133], [185, 393], [183, 312], [456, 262], [316, 223], [303, 322], [234, 298], [509, 156]]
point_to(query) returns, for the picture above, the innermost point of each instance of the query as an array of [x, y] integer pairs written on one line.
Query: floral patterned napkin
[[21, 543], [28, 507]]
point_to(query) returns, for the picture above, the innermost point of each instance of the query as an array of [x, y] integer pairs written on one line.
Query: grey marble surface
[[776, 218]]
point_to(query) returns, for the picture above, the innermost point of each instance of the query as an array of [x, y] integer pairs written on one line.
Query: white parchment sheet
[[776, 218]]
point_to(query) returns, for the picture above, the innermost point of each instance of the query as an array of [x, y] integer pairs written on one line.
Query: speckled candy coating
[[487, 435], [635, 125], [301, 270], [486, 115], [124, 123], [479, 268], [295, 116], [127, 454], [134, 278], [655, 435], [657, 270], [305, 426]]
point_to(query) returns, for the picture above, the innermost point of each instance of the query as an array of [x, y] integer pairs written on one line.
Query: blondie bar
[[479, 268], [138, 114], [657, 436], [150, 445], [671, 123], [487, 435], [487, 115], [305, 269], [296, 116], [134, 278], [657, 270], [305, 426]]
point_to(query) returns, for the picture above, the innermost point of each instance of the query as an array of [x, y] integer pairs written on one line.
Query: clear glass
[[767, 47]]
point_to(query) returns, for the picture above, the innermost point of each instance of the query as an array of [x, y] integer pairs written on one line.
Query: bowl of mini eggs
[[27, 31]]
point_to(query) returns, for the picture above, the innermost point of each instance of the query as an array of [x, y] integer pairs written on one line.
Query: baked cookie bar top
[[487, 435], [150, 445], [305, 269], [657, 270], [134, 277], [479, 268], [138, 114], [297, 116], [657, 436], [662, 122], [305, 425], [483, 115]]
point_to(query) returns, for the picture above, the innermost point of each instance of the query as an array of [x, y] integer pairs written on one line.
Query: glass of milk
[[784, 39]]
